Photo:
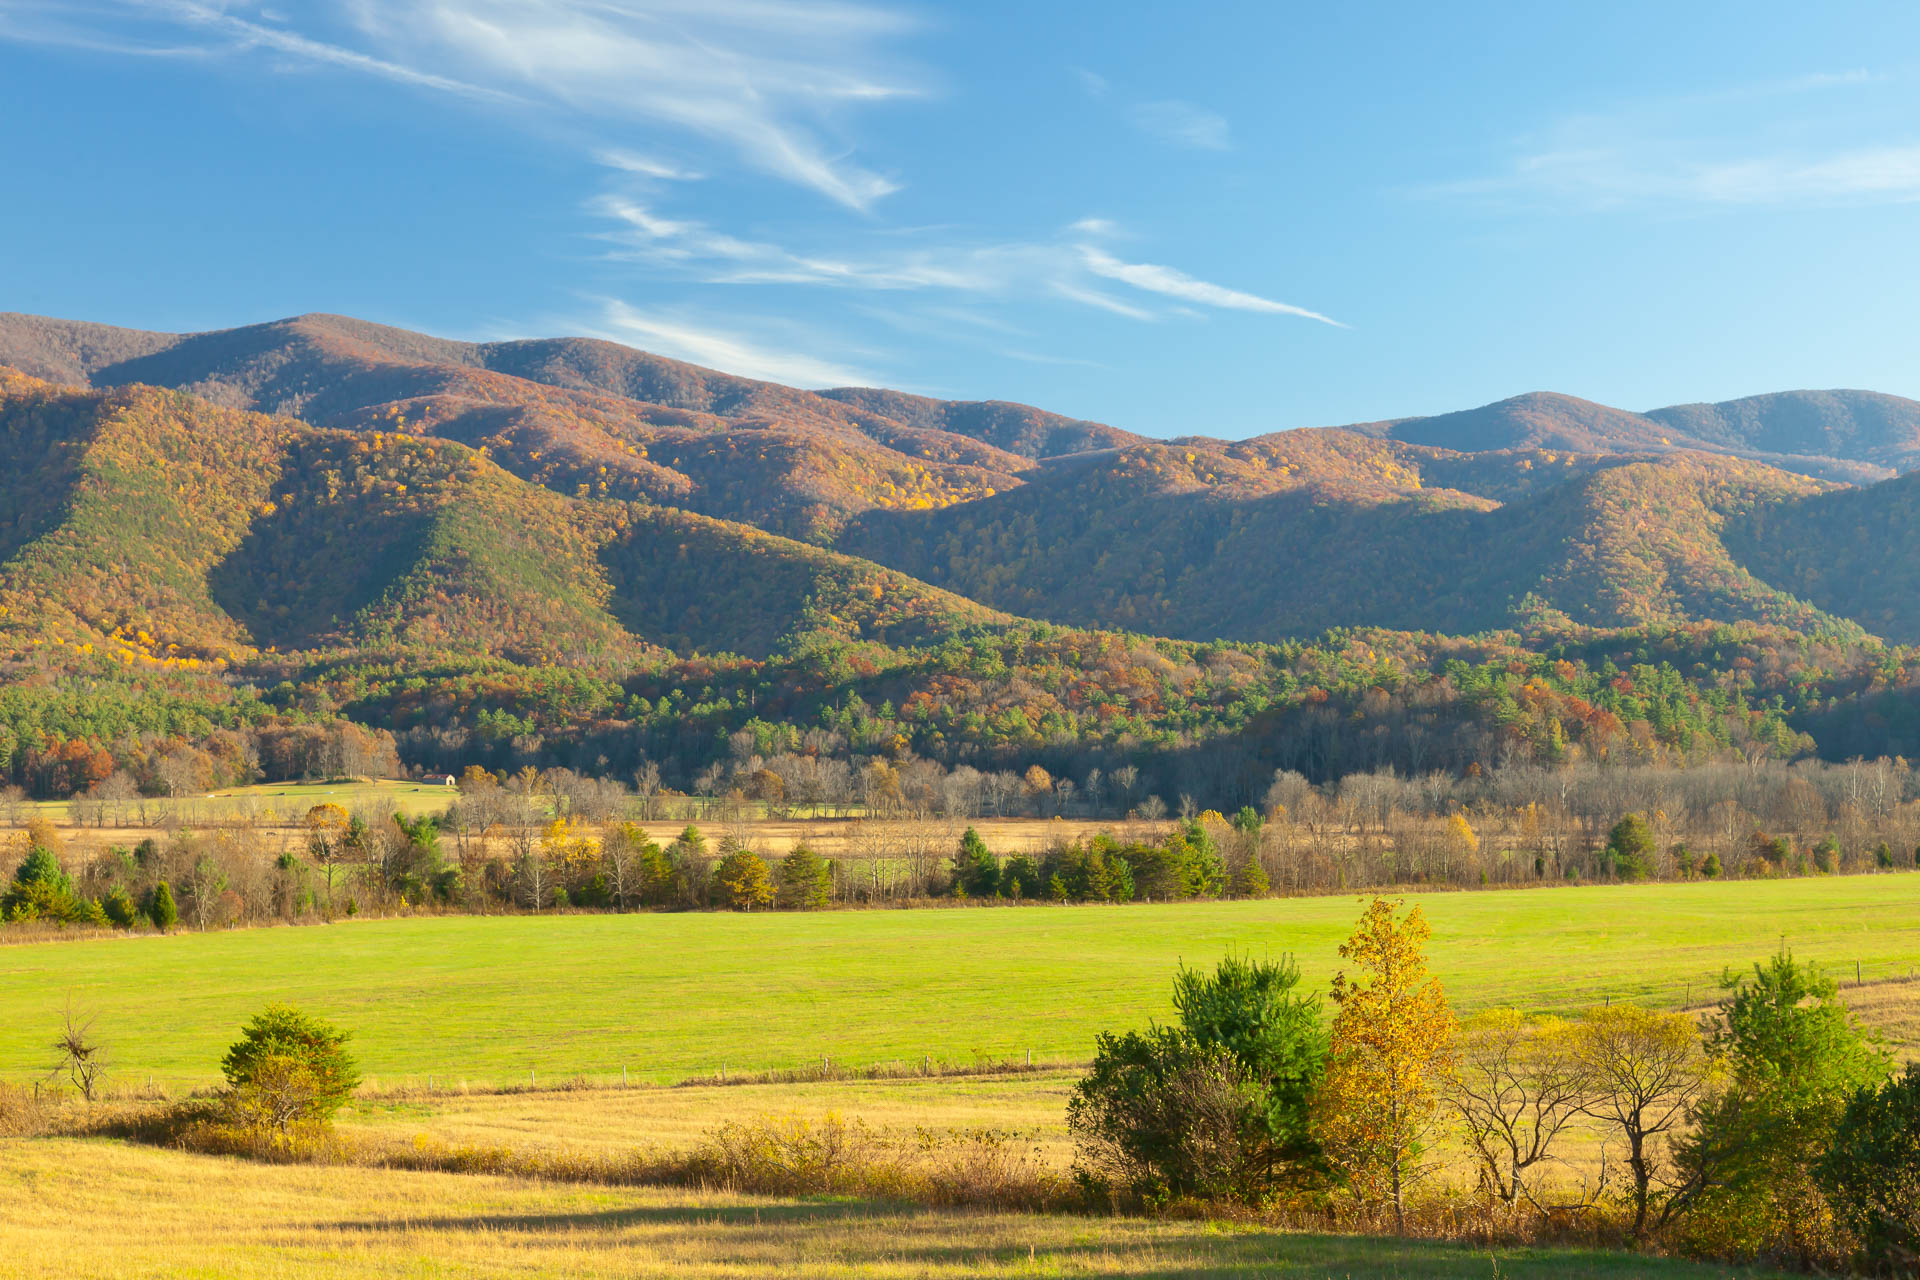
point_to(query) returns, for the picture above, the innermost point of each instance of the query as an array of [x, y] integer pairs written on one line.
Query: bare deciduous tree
[[82, 1058], [1515, 1087]]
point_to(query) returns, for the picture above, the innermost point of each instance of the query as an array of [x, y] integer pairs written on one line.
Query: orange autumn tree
[[1392, 1043]]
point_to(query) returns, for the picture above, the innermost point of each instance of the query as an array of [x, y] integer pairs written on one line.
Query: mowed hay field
[[86, 1210], [666, 996]]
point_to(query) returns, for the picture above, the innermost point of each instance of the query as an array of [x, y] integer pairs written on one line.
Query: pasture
[[667, 996]]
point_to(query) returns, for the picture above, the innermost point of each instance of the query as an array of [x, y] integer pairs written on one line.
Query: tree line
[[563, 841]]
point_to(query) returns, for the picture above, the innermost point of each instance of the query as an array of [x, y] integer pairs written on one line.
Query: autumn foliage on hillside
[[500, 569]]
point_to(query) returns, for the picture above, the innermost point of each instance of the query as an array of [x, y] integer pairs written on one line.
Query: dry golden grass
[[829, 837], [85, 1210], [1029, 1108], [1891, 1010]]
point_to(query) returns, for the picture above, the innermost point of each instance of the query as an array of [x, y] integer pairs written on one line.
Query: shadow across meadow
[[865, 1235]]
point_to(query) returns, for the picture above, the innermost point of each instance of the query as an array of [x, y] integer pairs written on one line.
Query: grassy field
[[269, 802], [667, 996], [1029, 1109], [80, 1210]]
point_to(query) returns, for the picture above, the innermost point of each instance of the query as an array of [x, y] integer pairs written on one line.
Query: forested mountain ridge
[[1853, 436], [578, 412], [582, 416], [1201, 544], [1541, 509], [159, 528]]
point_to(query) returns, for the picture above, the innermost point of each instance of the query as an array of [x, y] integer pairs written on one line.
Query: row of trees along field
[[1772, 1130], [539, 842]]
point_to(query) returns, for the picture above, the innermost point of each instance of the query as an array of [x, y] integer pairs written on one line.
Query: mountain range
[[572, 553], [350, 474]]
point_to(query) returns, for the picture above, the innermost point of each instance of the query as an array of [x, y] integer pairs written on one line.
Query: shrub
[[288, 1068], [1794, 1057], [742, 881], [1871, 1172], [1685, 860], [1630, 848], [42, 891], [161, 909], [788, 1155], [120, 907], [1770, 851], [806, 879], [976, 872], [1214, 1108], [1249, 879], [1020, 877], [1710, 866]]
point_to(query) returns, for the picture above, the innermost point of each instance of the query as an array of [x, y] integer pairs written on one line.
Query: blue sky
[[1206, 218]]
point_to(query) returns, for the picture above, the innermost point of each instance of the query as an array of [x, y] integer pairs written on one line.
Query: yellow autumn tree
[[1461, 835], [567, 846], [743, 881], [1392, 1044]]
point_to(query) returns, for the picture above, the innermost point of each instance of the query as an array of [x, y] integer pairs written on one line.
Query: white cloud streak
[[767, 79], [1177, 284], [1182, 124], [681, 339], [1728, 149], [1072, 267], [1604, 176], [644, 166]]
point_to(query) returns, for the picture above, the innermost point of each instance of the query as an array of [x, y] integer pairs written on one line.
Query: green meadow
[[665, 996]]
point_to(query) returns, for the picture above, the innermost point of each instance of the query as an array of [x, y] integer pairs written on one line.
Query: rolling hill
[[161, 528], [1250, 545], [1853, 436], [581, 416]]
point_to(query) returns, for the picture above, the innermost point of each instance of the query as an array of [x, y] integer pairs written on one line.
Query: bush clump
[[288, 1070], [1215, 1108], [1871, 1173]]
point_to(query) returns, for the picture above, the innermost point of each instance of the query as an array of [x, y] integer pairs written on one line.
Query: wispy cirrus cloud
[[644, 166], [189, 28], [766, 78], [1170, 120], [683, 337], [1801, 141], [1177, 284], [1182, 124], [1076, 266]]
